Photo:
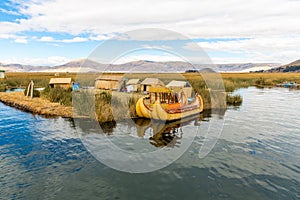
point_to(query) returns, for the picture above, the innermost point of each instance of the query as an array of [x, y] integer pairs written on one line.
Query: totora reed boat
[[167, 105]]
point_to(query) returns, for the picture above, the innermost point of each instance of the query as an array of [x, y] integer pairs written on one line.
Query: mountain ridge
[[87, 65], [291, 67]]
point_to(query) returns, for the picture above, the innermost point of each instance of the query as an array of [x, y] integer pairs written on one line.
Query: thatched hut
[[109, 82], [133, 85], [2, 74], [148, 82], [61, 82], [181, 86]]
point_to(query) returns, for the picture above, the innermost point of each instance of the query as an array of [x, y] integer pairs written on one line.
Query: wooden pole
[[28, 88], [32, 85]]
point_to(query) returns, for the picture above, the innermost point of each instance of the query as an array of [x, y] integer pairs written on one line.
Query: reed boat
[[167, 105]]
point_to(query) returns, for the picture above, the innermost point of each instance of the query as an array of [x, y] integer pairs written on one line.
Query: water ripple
[[256, 157]]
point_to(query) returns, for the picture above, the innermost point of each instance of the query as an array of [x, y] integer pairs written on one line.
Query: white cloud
[[157, 47], [267, 44], [149, 34], [197, 19], [21, 40], [47, 39], [51, 39], [16, 38], [269, 23], [75, 39], [102, 37], [261, 49]]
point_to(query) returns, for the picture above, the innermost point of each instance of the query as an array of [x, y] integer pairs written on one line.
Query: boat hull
[[157, 112]]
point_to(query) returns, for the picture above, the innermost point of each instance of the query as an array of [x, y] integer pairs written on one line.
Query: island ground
[[39, 106]]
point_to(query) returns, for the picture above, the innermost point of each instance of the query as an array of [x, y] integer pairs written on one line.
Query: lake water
[[256, 156]]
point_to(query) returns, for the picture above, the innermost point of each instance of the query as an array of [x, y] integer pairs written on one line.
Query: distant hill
[[82, 65], [245, 67], [87, 65], [73, 66], [21, 68], [291, 67]]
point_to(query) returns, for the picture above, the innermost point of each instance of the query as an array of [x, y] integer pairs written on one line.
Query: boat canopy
[[159, 90]]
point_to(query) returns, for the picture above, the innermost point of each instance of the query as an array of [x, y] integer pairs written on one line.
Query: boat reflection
[[165, 134], [159, 133]]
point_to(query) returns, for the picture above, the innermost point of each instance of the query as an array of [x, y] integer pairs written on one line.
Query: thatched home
[[109, 82], [181, 86], [133, 85], [61, 82], [2, 74], [148, 82]]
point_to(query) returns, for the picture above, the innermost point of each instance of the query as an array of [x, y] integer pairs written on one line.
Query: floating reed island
[[114, 95], [39, 106]]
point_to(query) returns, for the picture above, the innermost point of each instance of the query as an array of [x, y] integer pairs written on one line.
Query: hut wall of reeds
[[109, 82], [2, 74], [133, 85], [61, 82], [181, 86], [149, 82]]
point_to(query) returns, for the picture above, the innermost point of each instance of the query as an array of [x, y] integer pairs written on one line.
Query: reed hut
[[148, 82], [2, 74], [133, 85], [181, 86], [110, 82], [65, 83]]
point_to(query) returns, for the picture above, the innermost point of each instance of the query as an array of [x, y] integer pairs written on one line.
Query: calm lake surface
[[257, 156]]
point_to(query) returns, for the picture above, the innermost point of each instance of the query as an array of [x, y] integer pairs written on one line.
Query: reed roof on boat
[[160, 90]]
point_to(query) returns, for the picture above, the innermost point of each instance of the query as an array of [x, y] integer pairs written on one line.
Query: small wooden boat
[[167, 105]]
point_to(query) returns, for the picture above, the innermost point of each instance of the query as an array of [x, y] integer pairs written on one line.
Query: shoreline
[[37, 105]]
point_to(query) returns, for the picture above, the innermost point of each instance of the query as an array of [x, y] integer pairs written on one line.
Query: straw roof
[[133, 81], [109, 77], [60, 80], [152, 81], [176, 84]]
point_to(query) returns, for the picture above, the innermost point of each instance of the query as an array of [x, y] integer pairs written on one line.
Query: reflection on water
[[256, 157], [165, 134], [159, 133]]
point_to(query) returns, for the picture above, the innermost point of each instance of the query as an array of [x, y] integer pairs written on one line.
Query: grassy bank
[[105, 106], [58, 95], [233, 81], [2, 87], [39, 106], [41, 79]]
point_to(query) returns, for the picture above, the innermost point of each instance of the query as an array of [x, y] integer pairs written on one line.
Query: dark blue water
[[256, 157]]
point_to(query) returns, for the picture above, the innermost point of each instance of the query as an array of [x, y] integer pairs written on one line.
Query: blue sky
[[53, 32]]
